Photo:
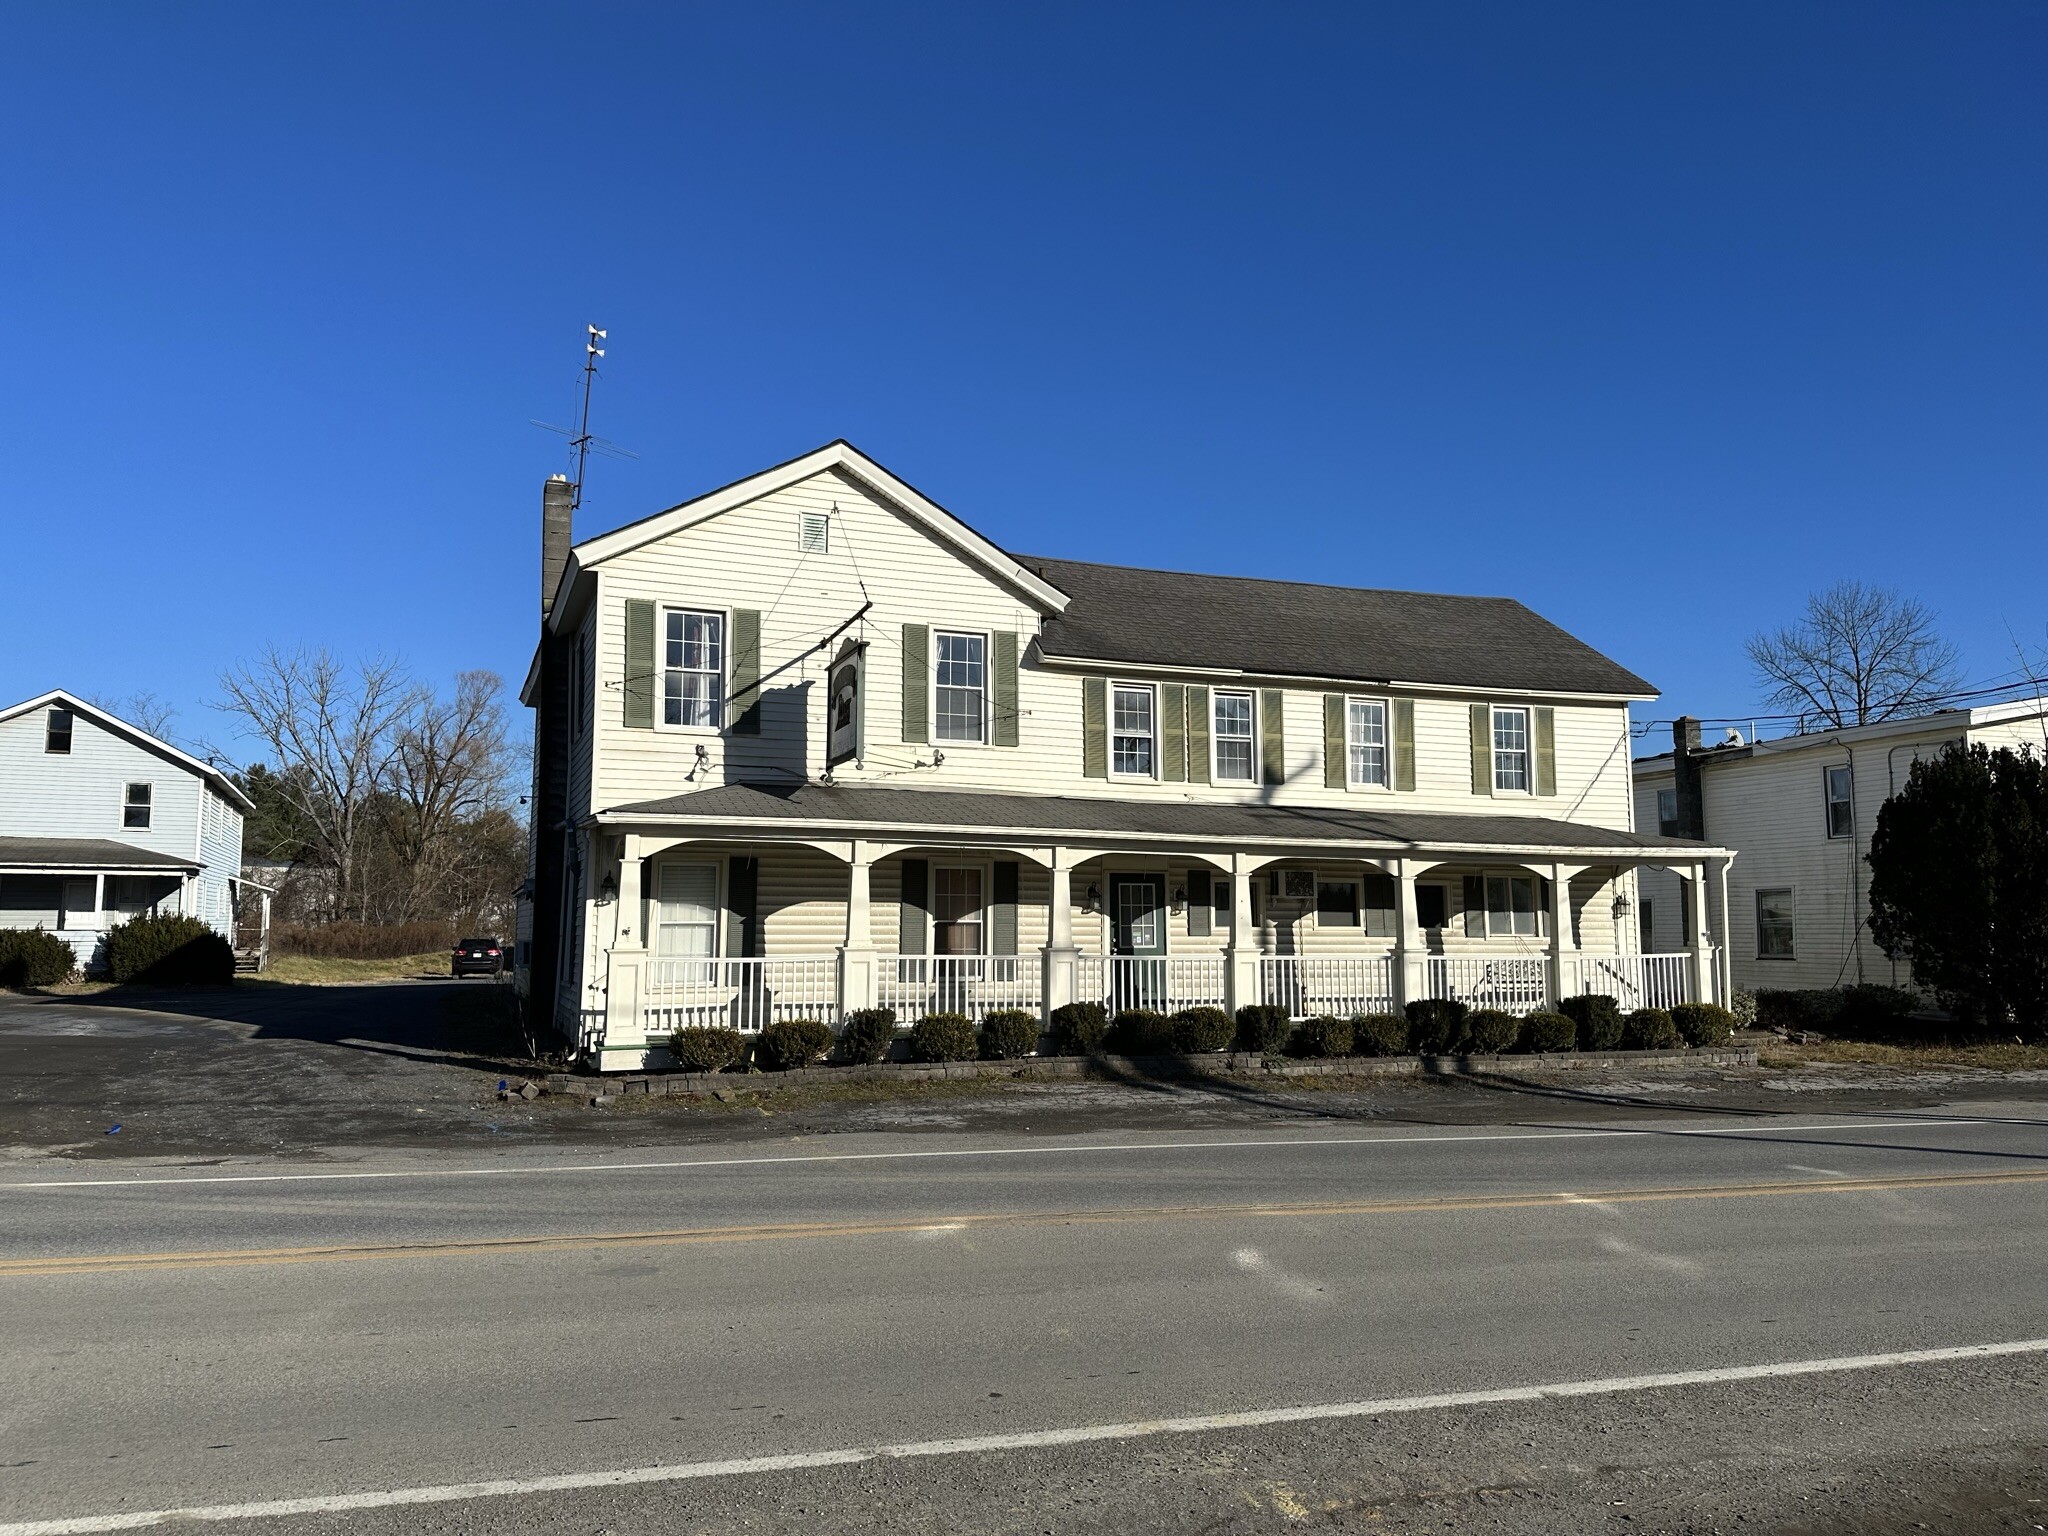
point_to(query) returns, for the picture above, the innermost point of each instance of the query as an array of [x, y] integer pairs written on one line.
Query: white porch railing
[[1634, 981], [1511, 983], [976, 985], [747, 995], [1163, 983], [1311, 985]]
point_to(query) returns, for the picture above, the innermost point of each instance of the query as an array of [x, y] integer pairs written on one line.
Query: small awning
[[98, 855]]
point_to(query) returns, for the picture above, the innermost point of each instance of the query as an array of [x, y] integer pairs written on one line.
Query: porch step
[[248, 961]]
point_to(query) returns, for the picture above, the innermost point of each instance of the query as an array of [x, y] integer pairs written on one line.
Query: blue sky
[[1654, 317]]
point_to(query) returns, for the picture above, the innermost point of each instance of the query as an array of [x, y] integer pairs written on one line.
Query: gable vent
[[813, 533]]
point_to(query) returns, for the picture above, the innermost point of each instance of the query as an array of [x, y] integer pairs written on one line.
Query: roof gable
[[135, 733]]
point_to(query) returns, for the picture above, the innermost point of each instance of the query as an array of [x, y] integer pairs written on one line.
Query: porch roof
[[801, 808], [40, 854]]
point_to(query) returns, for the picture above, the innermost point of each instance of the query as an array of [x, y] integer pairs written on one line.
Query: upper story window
[[57, 732], [813, 533], [1365, 741], [1131, 731], [1841, 792], [1511, 750], [961, 696], [135, 807], [579, 689], [1667, 813], [693, 669], [1231, 732]]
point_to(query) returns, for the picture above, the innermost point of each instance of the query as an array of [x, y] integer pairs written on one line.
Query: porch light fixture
[[1622, 906], [608, 890], [1180, 899], [1093, 900]]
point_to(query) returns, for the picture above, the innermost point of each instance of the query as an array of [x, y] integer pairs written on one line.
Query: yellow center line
[[110, 1263]]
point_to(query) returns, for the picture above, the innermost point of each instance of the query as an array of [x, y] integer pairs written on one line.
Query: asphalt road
[[237, 1335]]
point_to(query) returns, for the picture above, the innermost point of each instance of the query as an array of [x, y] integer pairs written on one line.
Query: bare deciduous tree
[[144, 709], [1858, 654], [447, 766]]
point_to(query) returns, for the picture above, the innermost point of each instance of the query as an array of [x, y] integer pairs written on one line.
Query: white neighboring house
[[100, 821], [1799, 812]]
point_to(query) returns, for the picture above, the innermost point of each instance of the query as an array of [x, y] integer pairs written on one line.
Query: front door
[[1137, 940]]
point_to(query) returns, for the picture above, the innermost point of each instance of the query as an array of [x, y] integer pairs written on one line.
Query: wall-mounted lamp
[[1622, 906], [1093, 900], [608, 890], [1180, 899]]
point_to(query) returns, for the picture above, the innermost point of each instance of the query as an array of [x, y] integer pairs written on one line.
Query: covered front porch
[[79, 887], [743, 927]]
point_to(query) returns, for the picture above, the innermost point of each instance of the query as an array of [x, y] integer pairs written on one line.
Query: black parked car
[[478, 957]]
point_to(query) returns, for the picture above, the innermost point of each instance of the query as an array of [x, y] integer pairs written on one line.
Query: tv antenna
[[581, 439]]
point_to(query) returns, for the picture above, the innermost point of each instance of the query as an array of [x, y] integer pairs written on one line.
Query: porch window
[[961, 699], [1365, 741], [1510, 906], [1432, 906], [1841, 793], [1511, 750], [1232, 733], [135, 808], [686, 912], [1667, 813], [693, 669], [956, 911], [1774, 910], [1646, 927], [1131, 732], [1336, 904], [57, 732]]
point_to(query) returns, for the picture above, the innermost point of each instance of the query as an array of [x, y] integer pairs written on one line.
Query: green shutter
[[638, 683], [1005, 689], [910, 924], [1475, 906], [1095, 727], [742, 919], [746, 671], [1482, 749], [1272, 736], [1198, 734], [917, 672], [1543, 726], [1200, 911], [1335, 757], [1404, 743], [1173, 733], [1002, 911]]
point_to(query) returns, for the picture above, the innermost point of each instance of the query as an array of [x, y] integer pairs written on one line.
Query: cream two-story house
[[810, 743]]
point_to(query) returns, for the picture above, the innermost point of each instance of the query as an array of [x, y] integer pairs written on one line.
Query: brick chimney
[[557, 499], [1685, 775]]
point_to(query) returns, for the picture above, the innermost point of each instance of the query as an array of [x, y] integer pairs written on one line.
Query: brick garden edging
[[1214, 1064]]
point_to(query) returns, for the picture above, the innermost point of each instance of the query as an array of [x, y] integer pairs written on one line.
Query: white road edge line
[[1765, 1129], [446, 1493]]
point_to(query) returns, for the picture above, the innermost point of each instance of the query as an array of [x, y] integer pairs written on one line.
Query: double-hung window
[[1336, 904], [1667, 813], [1231, 731], [1511, 750], [1365, 741], [956, 911], [1841, 793], [693, 669], [135, 807], [1131, 731], [1774, 909], [960, 698], [57, 732], [686, 912], [1510, 906]]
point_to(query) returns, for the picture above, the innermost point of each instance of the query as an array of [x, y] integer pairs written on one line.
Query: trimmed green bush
[[1702, 1023], [792, 1043], [1548, 1032], [30, 957], [1078, 1028], [1649, 1029], [1491, 1031], [1436, 1026], [944, 1037], [1789, 1012], [707, 1049], [1743, 1005], [1198, 1030], [1263, 1028], [1008, 1033], [868, 1034], [169, 947], [1140, 1032], [1598, 1018], [1323, 1035], [1379, 1034]]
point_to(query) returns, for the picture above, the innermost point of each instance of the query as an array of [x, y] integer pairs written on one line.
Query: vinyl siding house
[[1800, 812], [810, 743], [101, 821]]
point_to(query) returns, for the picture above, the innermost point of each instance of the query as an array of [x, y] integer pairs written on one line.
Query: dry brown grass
[[318, 970], [2006, 1056]]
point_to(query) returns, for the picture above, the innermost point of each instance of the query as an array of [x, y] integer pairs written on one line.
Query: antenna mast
[[581, 441]]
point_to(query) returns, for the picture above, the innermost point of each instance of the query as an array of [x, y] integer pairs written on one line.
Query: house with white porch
[[810, 743], [101, 821]]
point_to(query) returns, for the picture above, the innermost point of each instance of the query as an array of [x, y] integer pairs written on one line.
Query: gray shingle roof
[[85, 853], [1298, 629], [879, 805]]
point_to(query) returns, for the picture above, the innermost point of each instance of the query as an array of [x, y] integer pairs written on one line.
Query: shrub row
[[1861, 1012], [362, 941], [29, 957]]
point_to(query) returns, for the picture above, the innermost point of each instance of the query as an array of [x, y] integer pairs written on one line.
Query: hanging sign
[[843, 704]]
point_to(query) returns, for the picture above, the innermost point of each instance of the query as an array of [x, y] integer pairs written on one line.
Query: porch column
[[99, 900], [1725, 976], [857, 959], [1704, 987], [1241, 959], [1409, 982], [1562, 945], [1062, 959], [625, 1023]]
